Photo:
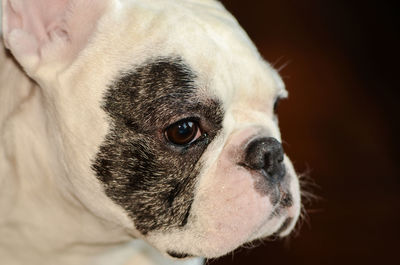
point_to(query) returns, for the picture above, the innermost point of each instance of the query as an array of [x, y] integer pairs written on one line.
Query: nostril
[[266, 155], [269, 163]]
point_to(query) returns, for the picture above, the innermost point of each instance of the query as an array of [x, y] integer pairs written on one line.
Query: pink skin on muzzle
[[231, 210]]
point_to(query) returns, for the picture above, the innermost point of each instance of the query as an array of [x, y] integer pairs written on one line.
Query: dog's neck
[[35, 215]]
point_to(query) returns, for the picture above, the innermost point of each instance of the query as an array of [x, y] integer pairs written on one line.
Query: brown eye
[[183, 132]]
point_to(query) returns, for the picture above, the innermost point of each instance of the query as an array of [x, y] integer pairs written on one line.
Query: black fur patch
[[153, 180]]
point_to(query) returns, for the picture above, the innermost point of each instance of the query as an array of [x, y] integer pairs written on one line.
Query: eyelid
[[281, 94], [183, 119]]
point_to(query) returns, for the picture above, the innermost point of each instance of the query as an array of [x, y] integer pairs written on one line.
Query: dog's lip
[[283, 228], [179, 255]]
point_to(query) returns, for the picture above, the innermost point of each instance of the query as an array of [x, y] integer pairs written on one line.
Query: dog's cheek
[[228, 209], [234, 205]]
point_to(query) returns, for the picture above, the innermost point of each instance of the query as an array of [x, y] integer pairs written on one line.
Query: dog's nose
[[266, 155]]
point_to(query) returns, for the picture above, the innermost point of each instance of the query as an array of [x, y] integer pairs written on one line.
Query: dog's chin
[[216, 238], [212, 244]]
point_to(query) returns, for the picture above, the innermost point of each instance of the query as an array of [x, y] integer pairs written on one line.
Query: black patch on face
[[152, 179]]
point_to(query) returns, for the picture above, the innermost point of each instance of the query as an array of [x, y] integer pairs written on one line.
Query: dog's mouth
[[283, 228]]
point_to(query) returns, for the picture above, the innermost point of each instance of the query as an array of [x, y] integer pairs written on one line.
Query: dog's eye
[[276, 104], [183, 132]]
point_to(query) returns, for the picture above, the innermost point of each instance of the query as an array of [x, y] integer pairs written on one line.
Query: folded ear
[[38, 31]]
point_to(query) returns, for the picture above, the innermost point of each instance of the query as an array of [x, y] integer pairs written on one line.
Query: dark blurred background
[[340, 125]]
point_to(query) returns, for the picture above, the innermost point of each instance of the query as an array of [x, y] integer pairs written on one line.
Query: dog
[[136, 132]]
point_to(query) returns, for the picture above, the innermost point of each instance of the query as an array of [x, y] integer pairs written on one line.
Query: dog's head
[[164, 112]]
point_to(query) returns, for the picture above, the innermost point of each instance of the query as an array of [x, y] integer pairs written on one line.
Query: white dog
[[133, 121]]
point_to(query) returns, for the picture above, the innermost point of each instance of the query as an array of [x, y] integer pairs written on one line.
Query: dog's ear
[[38, 31]]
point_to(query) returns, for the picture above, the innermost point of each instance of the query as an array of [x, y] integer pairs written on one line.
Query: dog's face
[[167, 121]]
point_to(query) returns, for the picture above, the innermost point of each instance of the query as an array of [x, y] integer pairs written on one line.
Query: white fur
[[53, 210]]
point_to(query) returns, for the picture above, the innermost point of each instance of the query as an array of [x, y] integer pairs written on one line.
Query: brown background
[[340, 125]]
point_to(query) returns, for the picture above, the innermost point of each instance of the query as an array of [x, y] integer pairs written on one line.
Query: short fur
[[152, 180], [87, 176]]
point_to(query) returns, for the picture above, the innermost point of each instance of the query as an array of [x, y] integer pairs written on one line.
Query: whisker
[[280, 68]]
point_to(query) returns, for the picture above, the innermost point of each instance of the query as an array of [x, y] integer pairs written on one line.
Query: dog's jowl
[[136, 132]]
